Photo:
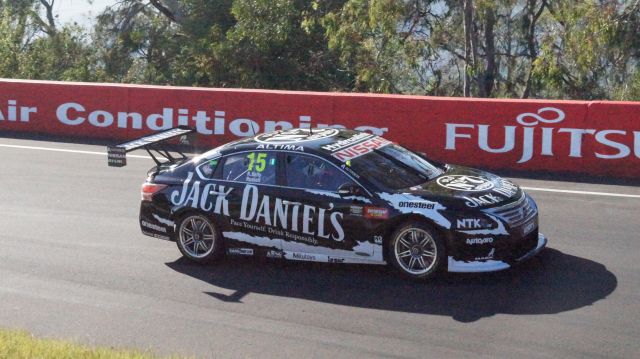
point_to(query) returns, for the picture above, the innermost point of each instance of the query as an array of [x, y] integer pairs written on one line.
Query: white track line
[[147, 157], [64, 150], [581, 192]]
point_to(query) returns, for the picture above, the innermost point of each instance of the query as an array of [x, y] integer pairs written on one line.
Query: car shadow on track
[[552, 282]]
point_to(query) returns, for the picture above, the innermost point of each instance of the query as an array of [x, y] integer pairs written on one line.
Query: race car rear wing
[[154, 144]]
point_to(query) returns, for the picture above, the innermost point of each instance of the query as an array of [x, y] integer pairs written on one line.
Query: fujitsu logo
[[620, 141]]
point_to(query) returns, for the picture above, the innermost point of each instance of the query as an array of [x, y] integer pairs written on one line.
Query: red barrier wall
[[596, 138]]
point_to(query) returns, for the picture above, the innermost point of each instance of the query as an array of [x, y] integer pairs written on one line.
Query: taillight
[[149, 189]]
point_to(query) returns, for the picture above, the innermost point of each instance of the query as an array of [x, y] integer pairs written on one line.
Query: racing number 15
[[260, 161]]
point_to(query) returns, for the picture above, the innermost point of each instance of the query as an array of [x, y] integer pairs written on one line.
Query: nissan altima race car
[[336, 196]]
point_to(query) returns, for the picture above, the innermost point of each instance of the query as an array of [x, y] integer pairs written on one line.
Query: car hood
[[467, 188]]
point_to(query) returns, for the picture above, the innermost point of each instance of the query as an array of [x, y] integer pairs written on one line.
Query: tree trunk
[[489, 75], [531, 41], [468, 65], [51, 23]]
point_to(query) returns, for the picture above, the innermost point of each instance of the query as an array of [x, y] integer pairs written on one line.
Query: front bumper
[[494, 265]]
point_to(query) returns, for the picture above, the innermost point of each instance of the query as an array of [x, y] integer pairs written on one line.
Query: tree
[[584, 49], [35, 48]]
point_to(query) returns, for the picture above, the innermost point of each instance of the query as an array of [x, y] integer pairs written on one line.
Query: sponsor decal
[[74, 114], [486, 200], [282, 147], [241, 251], [506, 188], [478, 184], [303, 256], [420, 205], [155, 227], [527, 133], [254, 177], [489, 256], [469, 223], [376, 212], [319, 252], [274, 254], [465, 183], [346, 168], [205, 196], [377, 239], [434, 214], [474, 241], [296, 135], [332, 147], [164, 135], [262, 211], [360, 149], [116, 156], [14, 113], [356, 210], [276, 231], [499, 229], [335, 260]]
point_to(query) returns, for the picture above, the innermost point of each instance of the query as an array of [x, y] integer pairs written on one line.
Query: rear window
[[208, 168]]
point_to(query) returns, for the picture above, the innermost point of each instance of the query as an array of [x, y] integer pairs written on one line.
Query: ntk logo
[[468, 223]]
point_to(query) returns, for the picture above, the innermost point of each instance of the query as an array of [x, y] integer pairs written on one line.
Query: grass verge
[[20, 344]]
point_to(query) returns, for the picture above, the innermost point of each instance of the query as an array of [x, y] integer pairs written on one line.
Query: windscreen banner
[[578, 137]]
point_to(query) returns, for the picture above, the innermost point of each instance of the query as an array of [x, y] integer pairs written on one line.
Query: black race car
[[333, 195]]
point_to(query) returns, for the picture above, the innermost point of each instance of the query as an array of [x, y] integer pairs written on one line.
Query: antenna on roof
[[253, 130], [306, 125]]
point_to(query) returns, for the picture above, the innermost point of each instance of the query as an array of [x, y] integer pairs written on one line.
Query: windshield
[[394, 167]]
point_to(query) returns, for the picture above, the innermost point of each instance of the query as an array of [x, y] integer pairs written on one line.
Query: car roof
[[321, 141]]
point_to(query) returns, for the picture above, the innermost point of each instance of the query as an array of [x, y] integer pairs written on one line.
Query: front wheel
[[198, 239], [416, 250]]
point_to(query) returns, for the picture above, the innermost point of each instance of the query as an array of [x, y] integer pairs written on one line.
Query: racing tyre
[[198, 239], [416, 250]]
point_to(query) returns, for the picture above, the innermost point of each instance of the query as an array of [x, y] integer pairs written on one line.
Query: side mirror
[[349, 189]]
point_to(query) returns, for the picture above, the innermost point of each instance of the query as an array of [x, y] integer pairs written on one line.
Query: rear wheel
[[416, 250], [198, 239]]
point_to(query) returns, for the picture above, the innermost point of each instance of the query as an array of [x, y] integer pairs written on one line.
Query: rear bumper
[[493, 265], [155, 222]]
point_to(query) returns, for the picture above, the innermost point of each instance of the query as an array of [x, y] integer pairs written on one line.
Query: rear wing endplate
[[153, 144]]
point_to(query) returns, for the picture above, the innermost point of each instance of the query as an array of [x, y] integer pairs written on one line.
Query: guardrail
[[596, 138]]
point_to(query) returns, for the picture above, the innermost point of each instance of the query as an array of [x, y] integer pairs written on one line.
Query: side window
[[252, 167], [313, 173], [208, 168]]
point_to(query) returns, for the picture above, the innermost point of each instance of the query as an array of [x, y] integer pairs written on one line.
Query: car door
[[248, 228], [323, 224]]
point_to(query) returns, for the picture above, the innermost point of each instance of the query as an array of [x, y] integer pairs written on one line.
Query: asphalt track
[[74, 265]]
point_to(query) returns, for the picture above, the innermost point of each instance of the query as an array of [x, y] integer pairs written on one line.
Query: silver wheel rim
[[197, 236], [415, 251]]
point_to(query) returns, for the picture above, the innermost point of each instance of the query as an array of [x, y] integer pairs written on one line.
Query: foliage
[[580, 49], [31, 49], [17, 344]]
